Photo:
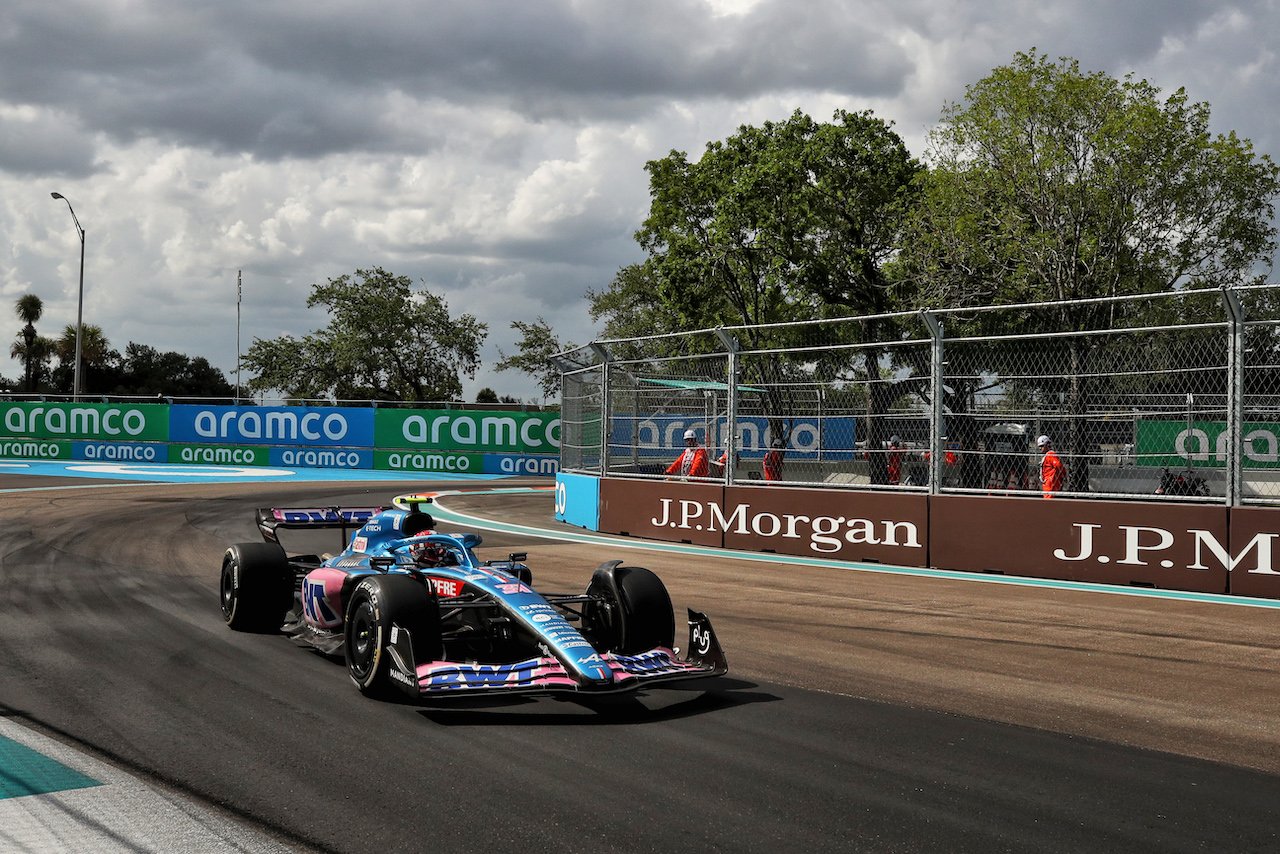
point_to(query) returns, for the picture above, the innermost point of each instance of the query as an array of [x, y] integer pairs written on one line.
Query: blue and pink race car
[[416, 612]]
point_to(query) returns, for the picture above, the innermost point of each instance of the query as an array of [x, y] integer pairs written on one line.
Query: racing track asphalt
[[863, 711]]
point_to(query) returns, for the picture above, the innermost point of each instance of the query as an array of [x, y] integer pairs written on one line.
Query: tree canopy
[[385, 341], [1049, 183], [779, 222], [537, 344], [144, 370]]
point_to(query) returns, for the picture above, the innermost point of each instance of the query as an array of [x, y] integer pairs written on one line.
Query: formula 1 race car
[[415, 611]]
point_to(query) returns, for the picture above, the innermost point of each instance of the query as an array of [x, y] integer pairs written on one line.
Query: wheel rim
[[228, 589], [362, 629]]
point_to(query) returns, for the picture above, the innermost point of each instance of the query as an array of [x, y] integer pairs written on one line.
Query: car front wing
[[546, 674]]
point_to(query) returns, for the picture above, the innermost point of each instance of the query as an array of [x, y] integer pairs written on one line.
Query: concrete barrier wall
[[1176, 546]]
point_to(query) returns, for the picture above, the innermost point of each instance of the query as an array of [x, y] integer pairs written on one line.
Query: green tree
[[629, 306], [537, 344], [1048, 183], [486, 395], [385, 341], [143, 370], [779, 222], [789, 221], [32, 350]]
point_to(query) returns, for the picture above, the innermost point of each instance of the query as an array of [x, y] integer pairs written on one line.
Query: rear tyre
[[630, 612], [257, 587], [376, 604]]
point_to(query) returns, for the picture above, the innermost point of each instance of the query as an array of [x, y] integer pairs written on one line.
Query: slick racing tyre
[[257, 587], [630, 611], [377, 603]]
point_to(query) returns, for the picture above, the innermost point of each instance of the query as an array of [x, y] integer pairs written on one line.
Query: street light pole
[[75, 383]]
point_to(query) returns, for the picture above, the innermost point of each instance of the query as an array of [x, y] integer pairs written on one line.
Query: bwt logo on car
[[824, 533], [325, 515], [278, 424]]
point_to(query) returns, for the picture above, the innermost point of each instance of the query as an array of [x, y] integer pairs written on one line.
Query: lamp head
[[56, 195]]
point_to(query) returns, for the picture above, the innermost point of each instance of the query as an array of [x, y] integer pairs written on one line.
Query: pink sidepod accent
[[322, 597]]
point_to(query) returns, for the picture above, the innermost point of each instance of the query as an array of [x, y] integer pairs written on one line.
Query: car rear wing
[[346, 519]]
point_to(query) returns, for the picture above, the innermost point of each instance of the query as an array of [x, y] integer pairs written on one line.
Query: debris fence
[[1170, 396]]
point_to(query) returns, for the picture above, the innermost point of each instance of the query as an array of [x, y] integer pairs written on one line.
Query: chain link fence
[[1172, 396]]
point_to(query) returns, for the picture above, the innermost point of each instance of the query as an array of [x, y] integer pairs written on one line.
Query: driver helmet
[[428, 554]]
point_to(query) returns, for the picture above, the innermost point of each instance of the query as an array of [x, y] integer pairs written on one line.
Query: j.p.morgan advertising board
[[1194, 547]]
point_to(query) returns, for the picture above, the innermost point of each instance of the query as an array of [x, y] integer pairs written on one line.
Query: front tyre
[[256, 587], [378, 604], [630, 611], [650, 620]]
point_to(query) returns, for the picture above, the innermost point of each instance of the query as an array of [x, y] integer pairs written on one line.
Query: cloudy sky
[[492, 151]]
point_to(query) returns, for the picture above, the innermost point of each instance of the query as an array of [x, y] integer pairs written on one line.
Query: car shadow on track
[[652, 706]]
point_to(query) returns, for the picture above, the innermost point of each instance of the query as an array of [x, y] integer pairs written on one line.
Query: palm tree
[[94, 350], [31, 349]]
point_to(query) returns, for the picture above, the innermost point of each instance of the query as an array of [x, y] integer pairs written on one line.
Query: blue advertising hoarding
[[322, 458], [809, 438], [313, 426], [513, 464], [578, 500], [132, 452]]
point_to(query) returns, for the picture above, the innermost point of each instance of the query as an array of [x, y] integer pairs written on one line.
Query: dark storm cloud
[[576, 50], [40, 145], [492, 150], [305, 79]]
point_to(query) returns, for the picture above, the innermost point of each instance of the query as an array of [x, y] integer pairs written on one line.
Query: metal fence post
[[605, 408], [935, 393], [731, 372], [1235, 396]]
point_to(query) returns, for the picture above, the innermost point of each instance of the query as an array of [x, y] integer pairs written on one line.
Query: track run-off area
[[866, 709]]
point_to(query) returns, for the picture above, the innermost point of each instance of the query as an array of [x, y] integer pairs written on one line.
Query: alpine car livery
[[415, 611]]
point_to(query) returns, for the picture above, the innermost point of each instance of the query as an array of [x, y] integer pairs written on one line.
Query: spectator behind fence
[[773, 460], [724, 460], [895, 459], [1053, 474], [693, 462]]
